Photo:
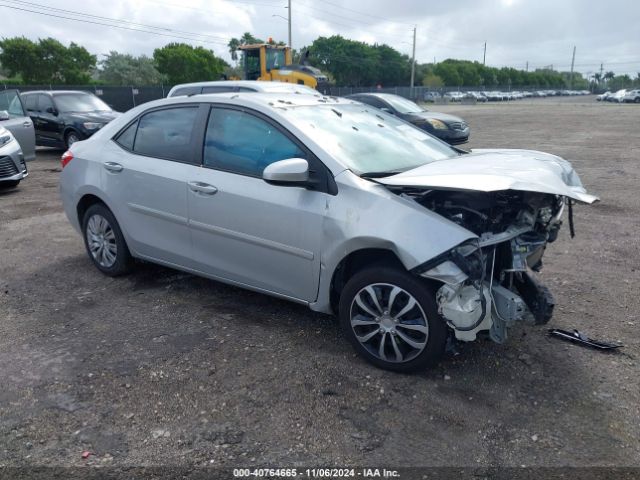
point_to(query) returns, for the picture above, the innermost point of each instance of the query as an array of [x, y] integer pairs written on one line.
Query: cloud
[[541, 32]]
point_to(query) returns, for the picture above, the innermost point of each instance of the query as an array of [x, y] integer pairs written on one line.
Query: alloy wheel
[[389, 322], [101, 240]]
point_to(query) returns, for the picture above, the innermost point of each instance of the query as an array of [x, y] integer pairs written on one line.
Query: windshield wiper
[[378, 174]]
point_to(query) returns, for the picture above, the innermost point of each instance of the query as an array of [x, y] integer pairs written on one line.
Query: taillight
[[66, 158]]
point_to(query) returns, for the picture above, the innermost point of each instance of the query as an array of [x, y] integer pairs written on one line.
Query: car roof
[[259, 86], [275, 100], [56, 92]]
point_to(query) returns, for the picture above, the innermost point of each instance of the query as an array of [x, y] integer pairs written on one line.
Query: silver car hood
[[492, 170]]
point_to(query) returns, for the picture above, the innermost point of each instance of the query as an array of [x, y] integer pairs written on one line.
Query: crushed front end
[[489, 283]]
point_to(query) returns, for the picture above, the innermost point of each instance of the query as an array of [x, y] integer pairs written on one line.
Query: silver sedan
[[13, 169], [329, 203]]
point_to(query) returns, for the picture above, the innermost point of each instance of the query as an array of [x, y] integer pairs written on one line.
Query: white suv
[[632, 96]]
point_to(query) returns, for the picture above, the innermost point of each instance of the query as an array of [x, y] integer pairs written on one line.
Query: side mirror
[[52, 111], [293, 172], [387, 110], [4, 115]]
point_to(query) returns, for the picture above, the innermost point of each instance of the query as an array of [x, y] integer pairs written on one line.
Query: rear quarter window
[[128, 136]]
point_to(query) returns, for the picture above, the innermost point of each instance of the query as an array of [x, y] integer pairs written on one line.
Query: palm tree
[[233, 45], [609, 76]]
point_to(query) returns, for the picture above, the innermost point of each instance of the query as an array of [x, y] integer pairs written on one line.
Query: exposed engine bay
[[488, 283]]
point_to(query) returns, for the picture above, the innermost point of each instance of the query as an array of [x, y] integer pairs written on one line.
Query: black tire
[[70, 138], [636, 100], [421, 291], [11, 184], [123, 260]]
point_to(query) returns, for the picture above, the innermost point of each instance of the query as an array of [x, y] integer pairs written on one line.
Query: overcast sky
[[542, 32]]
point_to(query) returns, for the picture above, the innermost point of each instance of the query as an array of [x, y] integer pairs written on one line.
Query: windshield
[[80, 102], [367, 140], [402, 105]]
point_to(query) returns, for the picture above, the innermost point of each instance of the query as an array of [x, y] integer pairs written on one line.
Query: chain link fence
[[124, 98]]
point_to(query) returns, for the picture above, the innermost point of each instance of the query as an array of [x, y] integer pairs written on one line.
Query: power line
[[122, 27], [109, 19]]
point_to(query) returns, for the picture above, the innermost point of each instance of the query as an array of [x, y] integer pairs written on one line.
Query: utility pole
[[527, 69], [413, 60], [484, 56], [290, 46], [573, 59]]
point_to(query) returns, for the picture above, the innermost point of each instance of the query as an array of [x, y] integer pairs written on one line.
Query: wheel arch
[[354, 262], [86, 201]]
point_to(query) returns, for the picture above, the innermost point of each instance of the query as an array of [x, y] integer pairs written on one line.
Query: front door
[[244, 229]]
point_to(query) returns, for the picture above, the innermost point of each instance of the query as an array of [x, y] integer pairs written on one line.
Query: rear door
[[19, 123], [145, 173]]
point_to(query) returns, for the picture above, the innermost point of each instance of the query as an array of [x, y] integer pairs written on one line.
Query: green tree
[[78, 64], [182, 63], [47, 61], [356, 64], [124, 69], [432, 81], [20, 57]]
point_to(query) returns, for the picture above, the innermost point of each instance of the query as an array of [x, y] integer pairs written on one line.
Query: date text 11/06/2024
[[316, 472]]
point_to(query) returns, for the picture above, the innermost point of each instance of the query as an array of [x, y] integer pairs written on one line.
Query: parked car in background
[[64, 117], [631, 96], [226, 86], [13, 168], [617, 97], [14, 118], [449, 128], [454, 96], [478, 96], [333, 205], [431, 97], [603, 96]]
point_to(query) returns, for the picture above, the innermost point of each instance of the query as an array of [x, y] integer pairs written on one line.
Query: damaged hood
[[493, 170]]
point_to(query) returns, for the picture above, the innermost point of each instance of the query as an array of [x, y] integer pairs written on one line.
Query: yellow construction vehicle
[[273, 63]]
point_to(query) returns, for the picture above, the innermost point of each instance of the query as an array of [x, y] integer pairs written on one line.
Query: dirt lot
[[163, 368]]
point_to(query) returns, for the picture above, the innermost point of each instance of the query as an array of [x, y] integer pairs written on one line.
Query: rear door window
[[167, 134], [31, 102]]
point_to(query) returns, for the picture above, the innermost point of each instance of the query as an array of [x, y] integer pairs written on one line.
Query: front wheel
[[391, 318], [71, 138], [104, 241]]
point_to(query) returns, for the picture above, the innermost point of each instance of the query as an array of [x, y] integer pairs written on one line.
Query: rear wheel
[[390, 317], [104, 241], [636, 100]]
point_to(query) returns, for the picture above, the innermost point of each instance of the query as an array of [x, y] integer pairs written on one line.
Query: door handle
[[27, 124], [113, 166], [200, 187]]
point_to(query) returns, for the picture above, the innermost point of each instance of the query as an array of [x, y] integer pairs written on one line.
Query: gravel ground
[[164, 368]]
